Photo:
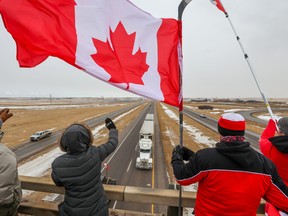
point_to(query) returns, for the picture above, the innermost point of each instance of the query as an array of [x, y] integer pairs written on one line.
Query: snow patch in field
[[234, 110], [215, 113], [192, 108], [198, 136], [39, 165], [50, 197], [267, 117]]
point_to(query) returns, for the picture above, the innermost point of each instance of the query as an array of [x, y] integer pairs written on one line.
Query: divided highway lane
[[212, 124], [28, 149], [122, 165]]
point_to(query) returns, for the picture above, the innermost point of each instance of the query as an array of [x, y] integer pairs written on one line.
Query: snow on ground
[[235, 110], [38, 166], [267, 117], [191, 107], [197, 135], [96, 130]]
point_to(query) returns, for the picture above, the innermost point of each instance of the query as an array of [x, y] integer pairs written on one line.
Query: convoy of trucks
[[146, 137]]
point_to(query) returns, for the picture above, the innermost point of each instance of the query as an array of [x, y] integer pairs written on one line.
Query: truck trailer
[[146, 136]]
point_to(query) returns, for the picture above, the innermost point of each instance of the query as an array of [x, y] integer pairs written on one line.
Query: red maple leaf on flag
[[118, 60]]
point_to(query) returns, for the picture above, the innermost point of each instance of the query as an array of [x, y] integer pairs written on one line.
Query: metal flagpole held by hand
[[181, 8], [221, 7]]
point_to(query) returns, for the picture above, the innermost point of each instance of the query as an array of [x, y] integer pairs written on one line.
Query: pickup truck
[[40, 135]]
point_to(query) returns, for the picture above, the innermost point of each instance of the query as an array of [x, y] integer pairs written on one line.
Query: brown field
[[25, 122]]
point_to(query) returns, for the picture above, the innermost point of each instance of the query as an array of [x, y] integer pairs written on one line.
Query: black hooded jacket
[[79, 171]]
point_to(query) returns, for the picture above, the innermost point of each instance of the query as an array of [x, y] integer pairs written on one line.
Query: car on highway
[[40, 135], [203, 116]]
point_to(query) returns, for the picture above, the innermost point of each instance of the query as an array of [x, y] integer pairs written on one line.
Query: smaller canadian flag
[[219, 5]]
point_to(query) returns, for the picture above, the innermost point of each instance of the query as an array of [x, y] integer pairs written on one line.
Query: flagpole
[[181, 8], [249, 63]]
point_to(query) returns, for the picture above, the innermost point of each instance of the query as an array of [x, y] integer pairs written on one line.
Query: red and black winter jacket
[[232, 180]]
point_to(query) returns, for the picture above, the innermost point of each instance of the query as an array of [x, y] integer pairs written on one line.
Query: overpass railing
[[164, 197]]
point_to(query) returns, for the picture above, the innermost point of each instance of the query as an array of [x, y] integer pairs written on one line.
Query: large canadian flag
[[112, 40]]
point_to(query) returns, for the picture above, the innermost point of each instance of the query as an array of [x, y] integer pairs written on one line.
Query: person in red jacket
[[276, 149], [232, 177]]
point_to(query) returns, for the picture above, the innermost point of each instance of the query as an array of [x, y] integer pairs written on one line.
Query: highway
[[29, 148], [123, 169]]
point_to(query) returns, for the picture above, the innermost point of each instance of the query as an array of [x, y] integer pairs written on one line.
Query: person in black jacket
[[79, 170], [233, 177]]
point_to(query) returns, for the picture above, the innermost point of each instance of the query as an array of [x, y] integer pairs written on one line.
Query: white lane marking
[[114, 206], [129, 165]]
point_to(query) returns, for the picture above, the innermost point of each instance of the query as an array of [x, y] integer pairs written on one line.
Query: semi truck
[[146, 136]]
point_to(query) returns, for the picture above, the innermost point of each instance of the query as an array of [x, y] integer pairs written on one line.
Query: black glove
[[109, 124], [176, 156], [186, 153]]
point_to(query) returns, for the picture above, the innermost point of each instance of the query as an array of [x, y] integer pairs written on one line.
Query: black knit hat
[[231, 124], [283, 125]]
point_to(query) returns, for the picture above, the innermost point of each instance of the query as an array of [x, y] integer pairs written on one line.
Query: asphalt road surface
[[123, 169]]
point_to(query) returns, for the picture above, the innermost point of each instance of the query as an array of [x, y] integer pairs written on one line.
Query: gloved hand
[[176, 156], [109, 124], [4, 114], [184, 152]]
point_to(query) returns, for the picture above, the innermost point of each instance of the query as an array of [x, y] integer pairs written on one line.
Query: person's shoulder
[[59, 160], [206, 150], [4, 148], [7, 156], [206, 153]]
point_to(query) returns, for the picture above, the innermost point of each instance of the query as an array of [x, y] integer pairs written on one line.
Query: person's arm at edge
[[267, 133], [186, 173], [277, 193], [107, 148]]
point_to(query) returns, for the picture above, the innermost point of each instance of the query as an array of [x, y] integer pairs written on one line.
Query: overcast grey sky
[[213, 62]]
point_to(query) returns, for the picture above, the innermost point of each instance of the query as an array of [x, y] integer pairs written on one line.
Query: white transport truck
[[146, 136]]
